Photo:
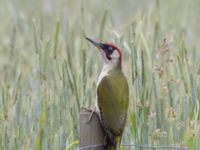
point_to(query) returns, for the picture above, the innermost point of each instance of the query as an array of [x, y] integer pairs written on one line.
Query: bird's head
[[111, 54]]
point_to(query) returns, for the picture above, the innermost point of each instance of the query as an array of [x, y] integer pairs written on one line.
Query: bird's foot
[[92, 111]]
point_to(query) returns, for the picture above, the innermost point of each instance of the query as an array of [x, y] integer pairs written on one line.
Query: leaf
[[70, 146]]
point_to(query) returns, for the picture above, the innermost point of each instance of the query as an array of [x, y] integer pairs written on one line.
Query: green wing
[[113, 98]]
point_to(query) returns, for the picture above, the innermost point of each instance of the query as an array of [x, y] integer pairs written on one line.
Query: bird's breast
[[103, 73]]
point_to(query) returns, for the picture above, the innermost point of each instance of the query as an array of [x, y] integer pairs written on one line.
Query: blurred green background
[[48, 70]]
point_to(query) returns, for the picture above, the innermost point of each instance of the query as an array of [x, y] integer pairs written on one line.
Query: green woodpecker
[[112, 94]]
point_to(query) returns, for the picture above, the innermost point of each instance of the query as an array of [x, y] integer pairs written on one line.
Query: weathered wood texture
[[91, 133]]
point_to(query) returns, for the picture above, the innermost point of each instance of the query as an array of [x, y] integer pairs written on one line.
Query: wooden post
[[91, 133]]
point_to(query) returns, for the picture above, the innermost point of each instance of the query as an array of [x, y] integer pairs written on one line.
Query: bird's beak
[[96, 43]]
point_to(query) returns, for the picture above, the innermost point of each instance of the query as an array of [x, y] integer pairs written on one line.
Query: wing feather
[[113, 98]]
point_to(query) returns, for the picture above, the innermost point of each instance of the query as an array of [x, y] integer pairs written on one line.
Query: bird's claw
[[92, 111]]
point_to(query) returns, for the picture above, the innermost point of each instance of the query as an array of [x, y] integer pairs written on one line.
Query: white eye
[[110, 48]]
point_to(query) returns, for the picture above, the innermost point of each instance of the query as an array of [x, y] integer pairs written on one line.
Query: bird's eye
[[110, 48]]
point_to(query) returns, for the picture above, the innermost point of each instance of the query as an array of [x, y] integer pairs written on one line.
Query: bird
[[112, 94]]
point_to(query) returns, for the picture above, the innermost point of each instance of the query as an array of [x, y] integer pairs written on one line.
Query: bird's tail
[[110, 147], [113, 144]]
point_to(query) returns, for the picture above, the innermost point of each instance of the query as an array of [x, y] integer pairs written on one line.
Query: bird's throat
[[106, 69]]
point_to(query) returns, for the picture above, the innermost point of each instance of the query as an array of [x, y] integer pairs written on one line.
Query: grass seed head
[[171, 114]]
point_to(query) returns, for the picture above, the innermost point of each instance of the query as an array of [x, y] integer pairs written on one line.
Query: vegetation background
[[48, 70]]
